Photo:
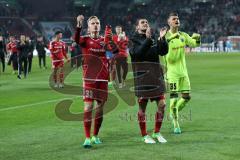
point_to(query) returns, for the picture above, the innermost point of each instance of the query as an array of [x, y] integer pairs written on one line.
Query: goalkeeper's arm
[[197, 37], [193, 41]]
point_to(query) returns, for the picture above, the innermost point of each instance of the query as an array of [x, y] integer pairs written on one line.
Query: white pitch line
[[32, 104]]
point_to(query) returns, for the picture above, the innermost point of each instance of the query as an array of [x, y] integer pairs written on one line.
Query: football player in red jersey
[[13, 51], [58, 53], [121, 40], [95, 74]]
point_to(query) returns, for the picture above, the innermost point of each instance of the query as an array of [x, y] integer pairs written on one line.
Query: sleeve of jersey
[[190, 41], [4, 49], [64, 50], [114, 47], [19, 47], [159, 48], [32, 47], [50, 47], [137, 49], [78, 39], [8, 47], [162, 46]]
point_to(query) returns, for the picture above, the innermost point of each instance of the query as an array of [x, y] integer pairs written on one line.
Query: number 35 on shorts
[[179, 85], [173, 86]]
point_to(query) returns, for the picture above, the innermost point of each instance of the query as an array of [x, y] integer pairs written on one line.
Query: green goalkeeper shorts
[[181, 84]]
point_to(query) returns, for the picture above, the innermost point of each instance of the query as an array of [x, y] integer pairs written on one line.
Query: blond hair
[[92, 17]]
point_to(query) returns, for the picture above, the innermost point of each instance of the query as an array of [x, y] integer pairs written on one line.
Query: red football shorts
[[95, 90], [57, 63], [158, 98]]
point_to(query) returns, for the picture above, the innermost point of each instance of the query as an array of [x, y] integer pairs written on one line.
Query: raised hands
[[148, 32], [163, 32], [80, 20]]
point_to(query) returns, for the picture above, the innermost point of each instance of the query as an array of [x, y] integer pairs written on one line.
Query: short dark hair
[[172, 14], [57, 32], [137, 22]]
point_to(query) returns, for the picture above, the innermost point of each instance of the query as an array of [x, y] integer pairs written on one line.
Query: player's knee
[[141, 112], [142, 103], [99, 106], [162, 103], [61, 69], [88, 106], [100, 103], [173, 95], [187, 98], [173, 100]]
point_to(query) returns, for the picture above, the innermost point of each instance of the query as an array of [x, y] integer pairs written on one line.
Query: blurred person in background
[[121, 40], [40, 47], [58, 52], [30, 53], [13, 51], [23, 51], [75, 52], [2, 52]]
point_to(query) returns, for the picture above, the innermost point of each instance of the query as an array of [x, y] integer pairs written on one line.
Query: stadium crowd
[[213, 19], [208, 18]]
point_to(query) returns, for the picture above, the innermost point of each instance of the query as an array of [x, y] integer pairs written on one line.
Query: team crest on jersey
[[102, 43], [182, 39], [91, 42]]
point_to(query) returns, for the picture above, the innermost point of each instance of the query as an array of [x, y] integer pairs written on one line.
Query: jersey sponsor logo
[[58, 47], [182, 39], [176, 48], [96, 50]]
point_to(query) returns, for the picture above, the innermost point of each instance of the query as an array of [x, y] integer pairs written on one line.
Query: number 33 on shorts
[[87, 93]]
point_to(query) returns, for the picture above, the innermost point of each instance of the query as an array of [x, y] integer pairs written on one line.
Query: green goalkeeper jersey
[[175, 59]]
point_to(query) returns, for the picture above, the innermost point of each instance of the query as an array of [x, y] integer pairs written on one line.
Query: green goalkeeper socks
[[174, 111], [181, 103], [173, 102], [177, 105]]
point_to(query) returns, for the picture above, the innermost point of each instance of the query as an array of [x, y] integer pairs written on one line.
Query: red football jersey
[[71, 48], [12, 47], [58, 50], [95, 63], [122, 46]]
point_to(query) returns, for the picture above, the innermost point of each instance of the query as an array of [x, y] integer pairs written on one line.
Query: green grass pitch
[[30, 129]]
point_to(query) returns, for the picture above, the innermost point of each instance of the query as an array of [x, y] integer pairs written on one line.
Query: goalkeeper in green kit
[[177, 75]]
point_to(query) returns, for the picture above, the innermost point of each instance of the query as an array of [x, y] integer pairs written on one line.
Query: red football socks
[[97, 122], [142, 123], [87, 120]]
